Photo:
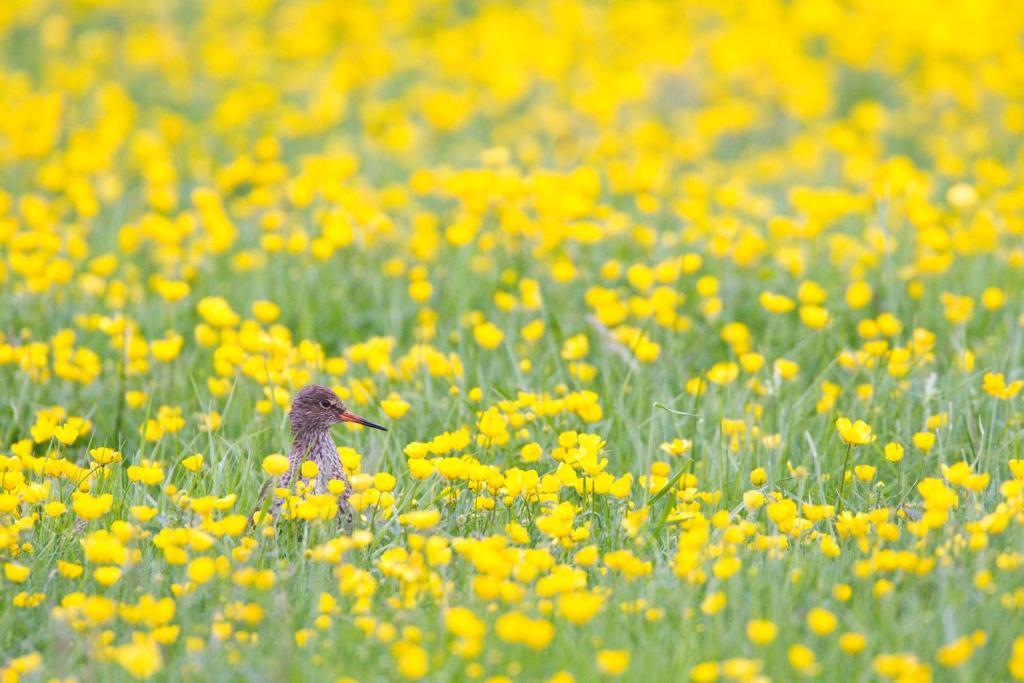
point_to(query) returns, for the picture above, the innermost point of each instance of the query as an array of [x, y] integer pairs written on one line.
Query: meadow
[[697, 328]]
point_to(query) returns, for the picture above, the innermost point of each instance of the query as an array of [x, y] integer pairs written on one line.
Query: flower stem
[[842, 478]]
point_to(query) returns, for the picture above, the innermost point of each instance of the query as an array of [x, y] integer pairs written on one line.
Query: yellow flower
[[761, 631], [487, 335], [15, 573], [211, 421], [151, 430], [135, 399], [994, 384], [107, 576], [924, 440], [677, 446], [723, 373], [193, 463], [201, 569], [172, 290], [87, 506], [54, 508], [802, 659], [753, 499], [265, 311], [961, 196], [275, 465], [69, 570], [993, 298], [492, 424], [714, 603], [394, 407], [783, 513], [420, 290], [586, 556], [104, 455], [864, 472], [420, 468], [956, 653], [821, 621], [726, 567], [166, 350], [785, 369], [469, 628], [852, 643], [533, 330], [576, 347], [143, 513], [579, 607], [958, 309], [856, 434], [147, 472], [893, 452], [217, 312], [104, 547], [751, 362], [420, 519], [814, 317], [705, 672], [66, 434], [858, 294], [531, 452], [776, 303], [384, 481], [515, 627], [412, 660], [218, 386], [613, 662], [141, 659]]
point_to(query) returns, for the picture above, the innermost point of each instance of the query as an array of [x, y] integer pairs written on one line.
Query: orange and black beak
[[348, 416]]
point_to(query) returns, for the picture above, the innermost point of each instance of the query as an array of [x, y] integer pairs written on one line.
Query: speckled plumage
[[315, 409]]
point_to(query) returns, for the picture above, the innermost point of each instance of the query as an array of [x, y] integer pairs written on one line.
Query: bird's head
[[316, 408]]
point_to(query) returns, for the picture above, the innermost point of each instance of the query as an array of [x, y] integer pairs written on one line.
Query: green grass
[[719, 195]]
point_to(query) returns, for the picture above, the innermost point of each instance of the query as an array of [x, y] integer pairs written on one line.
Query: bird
[[315, 409]]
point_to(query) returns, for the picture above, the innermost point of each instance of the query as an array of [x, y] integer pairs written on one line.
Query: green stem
[[842, 478]]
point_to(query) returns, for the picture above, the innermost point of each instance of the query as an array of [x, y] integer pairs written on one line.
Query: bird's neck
[[313, 445]]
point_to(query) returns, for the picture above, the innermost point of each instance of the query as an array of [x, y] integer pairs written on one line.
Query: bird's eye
[[325, 404]]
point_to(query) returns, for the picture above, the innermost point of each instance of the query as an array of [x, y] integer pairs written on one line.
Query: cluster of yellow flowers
[[697, 328]]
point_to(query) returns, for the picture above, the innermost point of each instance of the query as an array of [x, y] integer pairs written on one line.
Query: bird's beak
[[349, 416]]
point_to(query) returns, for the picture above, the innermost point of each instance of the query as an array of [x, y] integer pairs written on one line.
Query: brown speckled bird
[[315, 409]]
